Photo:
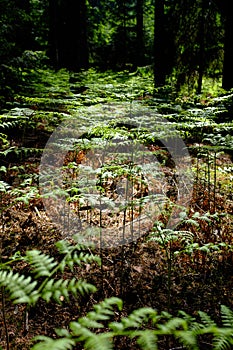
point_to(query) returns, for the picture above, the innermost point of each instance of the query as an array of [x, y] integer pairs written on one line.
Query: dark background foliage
[[182, 40]]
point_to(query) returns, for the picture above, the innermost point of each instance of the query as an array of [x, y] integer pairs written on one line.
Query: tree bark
[[159, 57], [68, 45], [227, 79], [139, 33], [225, 7]]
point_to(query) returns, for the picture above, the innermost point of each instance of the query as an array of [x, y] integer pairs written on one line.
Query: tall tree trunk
[[227, 80], [159, 59], [68, 34], [53, 48], [225, 8], [139, 33], [201, 40]]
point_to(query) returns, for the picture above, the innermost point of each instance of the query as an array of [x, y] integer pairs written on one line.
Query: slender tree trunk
[[225, 8], [139, 32], [227, 80], [53, 48], [201, 46], [159, 59]]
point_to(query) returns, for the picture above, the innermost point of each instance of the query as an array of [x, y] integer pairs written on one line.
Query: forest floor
[[148, 270]]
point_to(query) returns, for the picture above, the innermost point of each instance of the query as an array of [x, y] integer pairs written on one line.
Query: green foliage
[[58, 344], [145, 325], [25, 289]]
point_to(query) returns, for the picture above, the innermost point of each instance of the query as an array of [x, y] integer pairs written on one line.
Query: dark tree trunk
[[225, 8], [68, 45], [201, 40], [139, 32], [227, 80], [159, 35]]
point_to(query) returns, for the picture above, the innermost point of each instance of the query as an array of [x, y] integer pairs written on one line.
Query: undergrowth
[[116, 106]]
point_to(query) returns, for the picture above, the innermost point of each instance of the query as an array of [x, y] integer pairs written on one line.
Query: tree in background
[[15, 37], [183, 39], [227, 13], [159, 45], [68, 46], [140, 56], [199, 38]]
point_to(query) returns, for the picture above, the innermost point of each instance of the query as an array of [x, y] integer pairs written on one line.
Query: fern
[[4, 187], [136, 319], [72, 256], [227, 316], [41, 263], [206, 319], [21, 289], [60, 289], [223, 338], [47, 343], [147, 340]]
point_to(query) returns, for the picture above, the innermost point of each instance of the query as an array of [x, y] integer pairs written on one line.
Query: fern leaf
[[227, 316], [46, 343], [79, 331], [223, 341], [88, 323], [138, 317], [21, 289], [74, 255], [62, 288], [188, 339], [147, 340], [206, 319], [99, 342], [42, 264]]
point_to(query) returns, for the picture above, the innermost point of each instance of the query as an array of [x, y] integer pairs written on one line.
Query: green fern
[[206, 319], [60, 289], [21, 289], [147, 340], [47, 343], [42, 264], [74, 255], [223, 338], [227, 316], [135, 319]]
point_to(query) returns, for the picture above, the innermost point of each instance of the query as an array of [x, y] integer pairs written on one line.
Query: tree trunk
[[68, 45], [225, 8], [227, 80], [159, 59], [201, 40], [139, 33]]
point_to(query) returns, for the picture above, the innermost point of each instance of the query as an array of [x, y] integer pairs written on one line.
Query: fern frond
[[65, 247], [147, 340], [91, 340], [223, 339], [172, 325], [187, 338], [21, 289], [138, 317], [60, 289], [47, 343], [206, 319], [74, 255], [42, 264], [99, 342], [227, 316], [4, 186]]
